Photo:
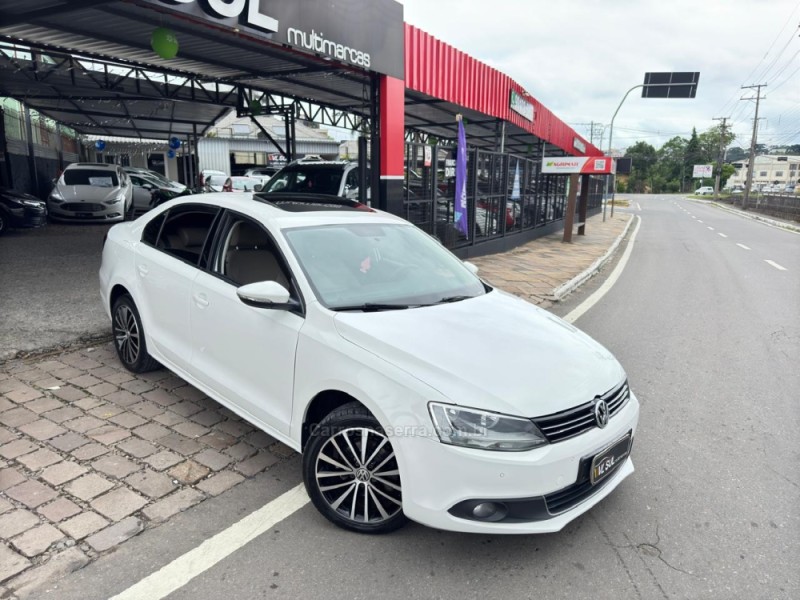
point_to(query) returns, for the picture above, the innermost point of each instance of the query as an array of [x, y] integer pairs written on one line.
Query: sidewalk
[[91, 455]]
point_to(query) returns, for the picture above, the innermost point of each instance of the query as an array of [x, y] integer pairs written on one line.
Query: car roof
[[90, 166], [294, 210]]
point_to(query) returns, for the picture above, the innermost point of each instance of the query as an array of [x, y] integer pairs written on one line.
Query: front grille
[[566, 424], [82, 207], [564, 499]]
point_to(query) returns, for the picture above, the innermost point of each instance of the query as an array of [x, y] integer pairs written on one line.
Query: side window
[[150, 233], [186, 231], [247, 254]]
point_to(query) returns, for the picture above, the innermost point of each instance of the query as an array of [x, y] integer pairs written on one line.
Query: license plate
[[84, 214], [607, 461]]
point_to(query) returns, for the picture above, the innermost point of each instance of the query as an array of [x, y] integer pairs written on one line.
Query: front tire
[[129, 338], [351, 474]]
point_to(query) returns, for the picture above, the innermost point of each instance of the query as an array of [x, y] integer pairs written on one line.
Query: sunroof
[[311, 203]]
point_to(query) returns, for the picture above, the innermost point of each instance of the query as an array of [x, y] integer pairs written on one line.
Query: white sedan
[[413, 389]]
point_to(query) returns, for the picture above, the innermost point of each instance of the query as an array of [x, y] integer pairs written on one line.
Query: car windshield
[[94, 177], [240, 183], [307, 180], [362, 264], [217, 180]]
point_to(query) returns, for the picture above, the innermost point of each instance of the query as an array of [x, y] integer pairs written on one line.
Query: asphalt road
[[709, 333]]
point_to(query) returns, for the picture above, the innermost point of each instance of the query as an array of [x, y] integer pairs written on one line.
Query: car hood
[[495, 352], [87, 193]]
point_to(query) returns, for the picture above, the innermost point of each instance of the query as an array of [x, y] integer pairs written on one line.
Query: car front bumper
[[106, 214], [439, 477]]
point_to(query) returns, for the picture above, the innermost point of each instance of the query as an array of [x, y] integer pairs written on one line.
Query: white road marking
[[710, 228], [774, 264], [185, 568], [584, 306], [743, 246], [699, 221], [721, 234], [638, 206]]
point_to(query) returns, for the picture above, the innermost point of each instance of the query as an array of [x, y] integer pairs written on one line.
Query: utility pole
[[750, 165], [722, 145]]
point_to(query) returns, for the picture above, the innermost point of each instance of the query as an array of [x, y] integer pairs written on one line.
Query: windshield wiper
[[448, 299], [374, 307]]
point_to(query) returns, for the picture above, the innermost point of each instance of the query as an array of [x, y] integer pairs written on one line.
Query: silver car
[[91, 192]]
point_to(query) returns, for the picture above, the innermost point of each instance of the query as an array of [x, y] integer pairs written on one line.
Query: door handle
[[143, 270], [200, 300]]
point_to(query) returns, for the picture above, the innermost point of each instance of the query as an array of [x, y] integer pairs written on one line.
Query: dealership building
[[155, 70]]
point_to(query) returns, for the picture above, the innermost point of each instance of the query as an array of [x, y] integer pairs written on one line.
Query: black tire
[[3, 223], [129, 338], [359, 491]]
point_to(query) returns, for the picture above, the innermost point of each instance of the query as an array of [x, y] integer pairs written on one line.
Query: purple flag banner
[[461, 182]]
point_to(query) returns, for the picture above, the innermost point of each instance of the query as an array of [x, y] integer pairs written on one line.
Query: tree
[[736, 154], [643, 159]]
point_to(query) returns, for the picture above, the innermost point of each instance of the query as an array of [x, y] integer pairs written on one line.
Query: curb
[[570, 286], [766, 220]]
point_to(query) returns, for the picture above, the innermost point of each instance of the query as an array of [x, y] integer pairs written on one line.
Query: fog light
[[485, 510]]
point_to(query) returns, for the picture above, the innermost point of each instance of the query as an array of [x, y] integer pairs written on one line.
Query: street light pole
[[610, 139]]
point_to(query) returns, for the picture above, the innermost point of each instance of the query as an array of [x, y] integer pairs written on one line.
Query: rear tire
[[129, 338], [351, 473], [3, 223]]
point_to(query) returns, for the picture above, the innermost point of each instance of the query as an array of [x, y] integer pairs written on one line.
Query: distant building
[[768, 170]]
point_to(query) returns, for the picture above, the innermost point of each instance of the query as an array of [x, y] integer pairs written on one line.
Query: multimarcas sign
[[364, 33], [590, 165]]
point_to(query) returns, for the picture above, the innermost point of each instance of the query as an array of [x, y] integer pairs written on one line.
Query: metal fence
[[506, 194], [784, 206]]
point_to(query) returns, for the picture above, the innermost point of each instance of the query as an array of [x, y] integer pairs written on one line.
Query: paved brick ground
[[91, 455]]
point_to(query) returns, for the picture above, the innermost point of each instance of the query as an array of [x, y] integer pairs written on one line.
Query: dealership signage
[[521, 106], [586, 165], [364, 33], [578, 144], [700, 171]]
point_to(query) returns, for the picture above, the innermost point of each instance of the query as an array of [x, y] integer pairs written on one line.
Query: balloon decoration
[[171, 153], [174, 143], [100, 145], [255, 107], [164, 42]]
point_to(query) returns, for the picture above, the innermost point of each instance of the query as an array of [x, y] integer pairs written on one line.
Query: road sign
[[670, 85], [701, 171]]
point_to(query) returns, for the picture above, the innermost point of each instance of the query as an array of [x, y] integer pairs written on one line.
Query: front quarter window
[[379, 265]]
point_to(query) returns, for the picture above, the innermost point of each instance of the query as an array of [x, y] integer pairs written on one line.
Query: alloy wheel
[[357, 474], [126, 334]]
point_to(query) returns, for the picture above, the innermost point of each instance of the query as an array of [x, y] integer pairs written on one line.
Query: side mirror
[[258, 187], [266, 294], [473, 268]]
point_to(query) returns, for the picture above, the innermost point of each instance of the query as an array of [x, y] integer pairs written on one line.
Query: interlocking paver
[[186, 408], [9, 478], [163, 460], [41, 430], [128, 420], [218, 440], [5, 505], [11, 563], [259, 439], [173, 504], [106, 410], [151, 432], [234, 428], [69, 393], [90, 451], [65, 413], [84, 524], [6, 435], [116, 377], [84, 381], [212, 459], [89, 403], [256, 464], [68, 442], [146, 409], [39, 459], [102, 389], [188, 472], [108, 434], [122, 398], [15, 522], [24, 394], [190, 430], [115, 534], [17, 416], [6, 404], [207, 418], [31, 493], [180, 444], [43, 405], [188, 392], [241, 451], [62, 472], [17, 448], [137, 447], [119, 503], [151, 483], [35, 541], [220, 482], [84, 423], [59, 509], [138, 386], [115, 466], [88, 486], [168, 418], [161, 397]]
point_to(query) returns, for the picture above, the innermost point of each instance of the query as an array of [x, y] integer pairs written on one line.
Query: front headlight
[[32, 203], [119, 198], [485, 430]]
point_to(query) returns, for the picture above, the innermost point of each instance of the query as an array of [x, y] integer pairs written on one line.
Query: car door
[[142, 191], [166, 266], [245, 354]]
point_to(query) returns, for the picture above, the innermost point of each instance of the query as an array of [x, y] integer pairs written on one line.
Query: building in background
[[768, 170]]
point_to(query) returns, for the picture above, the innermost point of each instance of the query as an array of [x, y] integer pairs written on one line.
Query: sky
[[579, 57]]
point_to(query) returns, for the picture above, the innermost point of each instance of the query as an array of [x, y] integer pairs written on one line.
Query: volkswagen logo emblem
[[362, 475], [601, 413]]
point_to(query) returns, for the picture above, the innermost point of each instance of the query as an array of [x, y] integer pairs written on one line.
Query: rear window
[[97, 178]]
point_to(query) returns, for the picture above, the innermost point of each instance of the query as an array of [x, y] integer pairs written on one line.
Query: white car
[[91, 192], [413, 389], [704, 191]]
